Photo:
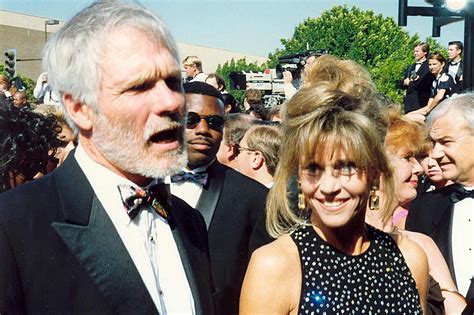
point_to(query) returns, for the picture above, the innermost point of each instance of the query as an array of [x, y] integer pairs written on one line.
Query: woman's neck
[[350, 239]]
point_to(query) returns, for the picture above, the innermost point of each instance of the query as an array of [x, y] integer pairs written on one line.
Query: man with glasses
[[229, 201]]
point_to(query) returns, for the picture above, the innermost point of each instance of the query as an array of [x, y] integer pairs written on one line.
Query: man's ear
[[232, 152], [79, 112], [257, 161]]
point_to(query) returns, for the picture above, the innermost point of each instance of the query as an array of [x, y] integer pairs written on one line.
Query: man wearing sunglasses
[[229, 202]]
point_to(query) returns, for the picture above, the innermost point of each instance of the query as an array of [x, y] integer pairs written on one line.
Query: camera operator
[[291, 85], [418, 80]]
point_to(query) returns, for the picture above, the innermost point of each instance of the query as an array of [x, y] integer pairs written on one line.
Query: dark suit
[[418, 92], [431, 213], [458, 86], [61, 254], [231, 204]]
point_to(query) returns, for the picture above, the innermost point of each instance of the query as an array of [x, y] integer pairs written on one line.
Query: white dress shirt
[[462, 242], [148, 239]]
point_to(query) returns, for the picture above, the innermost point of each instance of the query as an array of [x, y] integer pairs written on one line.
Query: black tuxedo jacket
[[418, 92], [458, 87], [231, 204], [61, 254], [431, 213]]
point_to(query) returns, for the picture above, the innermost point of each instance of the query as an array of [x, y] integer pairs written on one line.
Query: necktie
[[133, 198], [459, 193], [198, 178]]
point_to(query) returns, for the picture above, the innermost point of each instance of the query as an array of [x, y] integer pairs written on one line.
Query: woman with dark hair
[[441, 89], [28, 143]]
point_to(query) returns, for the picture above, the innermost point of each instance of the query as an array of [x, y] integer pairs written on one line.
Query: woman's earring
[[374, 200], [301, 200]]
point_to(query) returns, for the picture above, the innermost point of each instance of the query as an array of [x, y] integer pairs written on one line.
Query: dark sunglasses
[[213, 121]]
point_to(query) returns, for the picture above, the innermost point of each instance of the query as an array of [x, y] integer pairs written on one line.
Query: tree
[[372, 40]]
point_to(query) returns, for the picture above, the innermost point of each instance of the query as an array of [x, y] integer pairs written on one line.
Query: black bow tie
[[458, 193], [454, 63], [198, 178], [133, 198]]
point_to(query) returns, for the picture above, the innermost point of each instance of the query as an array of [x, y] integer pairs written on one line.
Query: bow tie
[[453, 63], [459, 193], [198, 178], [133, 198]]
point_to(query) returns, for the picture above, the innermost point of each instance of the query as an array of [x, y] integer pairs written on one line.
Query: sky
[[252, 27]]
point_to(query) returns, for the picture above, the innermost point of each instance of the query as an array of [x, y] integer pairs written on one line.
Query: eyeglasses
[[215, 122], [241, 148]]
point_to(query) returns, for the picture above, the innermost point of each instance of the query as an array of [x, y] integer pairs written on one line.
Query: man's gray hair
[[462, 104], [72, 57]]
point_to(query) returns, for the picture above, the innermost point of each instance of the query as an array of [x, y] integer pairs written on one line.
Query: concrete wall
[[26, 33]]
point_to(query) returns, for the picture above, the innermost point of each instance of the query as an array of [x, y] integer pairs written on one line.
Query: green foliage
[[372, 40], [237, 66]]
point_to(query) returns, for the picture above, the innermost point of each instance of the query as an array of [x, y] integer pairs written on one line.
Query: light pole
[[46, 23]]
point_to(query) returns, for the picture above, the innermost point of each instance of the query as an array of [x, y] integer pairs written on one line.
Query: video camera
[[295, 63]]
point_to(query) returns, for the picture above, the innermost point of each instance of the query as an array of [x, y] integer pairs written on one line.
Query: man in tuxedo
[[101, 234], [418, 80], [454, 66], [447, 214], [229, 201]]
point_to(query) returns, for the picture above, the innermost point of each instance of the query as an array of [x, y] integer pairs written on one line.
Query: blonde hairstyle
[[193, 61], [345, 75], [267, 140], [321, 121]]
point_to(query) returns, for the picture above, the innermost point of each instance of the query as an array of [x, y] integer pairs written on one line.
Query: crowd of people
[[130, 179]]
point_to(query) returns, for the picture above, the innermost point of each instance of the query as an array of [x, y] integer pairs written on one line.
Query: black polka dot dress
[[375, 282]]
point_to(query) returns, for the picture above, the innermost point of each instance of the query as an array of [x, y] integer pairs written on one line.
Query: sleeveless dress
[[375, 282]]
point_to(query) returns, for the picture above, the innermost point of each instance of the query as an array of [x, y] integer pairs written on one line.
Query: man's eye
[[142, 87]]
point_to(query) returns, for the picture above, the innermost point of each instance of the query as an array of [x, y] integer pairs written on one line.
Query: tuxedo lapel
[[210, 194], [92, 238], [441, 222]]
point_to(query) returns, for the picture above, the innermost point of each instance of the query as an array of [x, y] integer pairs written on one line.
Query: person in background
[[446, 213], [101, 234], [274, 114], [216, 81], [259, 153], [28, 145], [418, 79], [252, 97], [20, 101], [404, 143], [442, 87], [5, 86], [339, 158], [235, 126], [289, 87], [229, 201], [433, 175], [454, 67], [66, 135], [44, 93], [193, 69]]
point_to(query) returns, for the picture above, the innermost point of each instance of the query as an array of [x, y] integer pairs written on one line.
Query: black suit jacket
[[61, 254], [418, 92], [458, 87], [431, 213], [233, 206]]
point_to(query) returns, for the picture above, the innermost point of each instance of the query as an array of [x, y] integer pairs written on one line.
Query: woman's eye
[[348, 169], [313, 170]]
